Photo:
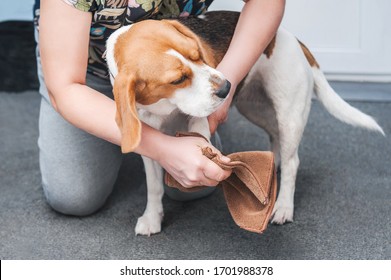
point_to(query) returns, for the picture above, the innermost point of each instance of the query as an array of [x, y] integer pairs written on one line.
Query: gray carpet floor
[[342, 200]]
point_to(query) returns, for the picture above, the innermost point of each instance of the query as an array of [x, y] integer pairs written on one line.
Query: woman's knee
[[76, 200], [78, 170]]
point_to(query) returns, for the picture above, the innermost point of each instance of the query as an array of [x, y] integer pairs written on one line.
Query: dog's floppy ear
[[198, 50], [127, 117]]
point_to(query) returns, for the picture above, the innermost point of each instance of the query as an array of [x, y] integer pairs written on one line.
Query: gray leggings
[[78, 169]]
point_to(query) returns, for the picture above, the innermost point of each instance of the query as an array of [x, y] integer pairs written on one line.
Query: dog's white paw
[[282, 213], [149, 223]]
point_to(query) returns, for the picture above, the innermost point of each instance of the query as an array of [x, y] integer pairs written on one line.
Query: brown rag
[[251, 189]]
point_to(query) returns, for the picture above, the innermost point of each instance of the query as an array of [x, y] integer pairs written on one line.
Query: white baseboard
[[373, 78], [363, 91]]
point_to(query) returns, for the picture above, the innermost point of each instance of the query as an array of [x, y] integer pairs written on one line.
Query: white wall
[[351, 39], [16, 10]]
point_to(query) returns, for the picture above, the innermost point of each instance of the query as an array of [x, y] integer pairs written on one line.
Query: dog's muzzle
[[224, 89]]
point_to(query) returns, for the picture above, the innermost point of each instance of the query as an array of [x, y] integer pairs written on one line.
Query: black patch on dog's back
[[215, 28]]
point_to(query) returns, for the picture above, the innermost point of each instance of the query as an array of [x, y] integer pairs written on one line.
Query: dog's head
[[161, 60]]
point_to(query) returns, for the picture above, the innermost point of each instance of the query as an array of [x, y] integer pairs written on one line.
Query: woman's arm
[[258, 23], [64, 39]]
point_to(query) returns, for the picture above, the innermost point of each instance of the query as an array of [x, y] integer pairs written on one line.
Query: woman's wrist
[[225, 67], [232, 78], [153, 143]]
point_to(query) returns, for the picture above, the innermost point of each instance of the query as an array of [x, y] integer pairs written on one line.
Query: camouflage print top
[[109, 15]]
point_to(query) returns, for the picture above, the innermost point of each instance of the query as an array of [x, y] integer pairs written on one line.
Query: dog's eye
[[180, 80]]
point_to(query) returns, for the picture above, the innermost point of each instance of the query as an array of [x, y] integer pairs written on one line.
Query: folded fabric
[[250, 191]]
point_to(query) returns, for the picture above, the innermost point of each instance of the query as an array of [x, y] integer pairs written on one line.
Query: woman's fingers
[[214, 172]]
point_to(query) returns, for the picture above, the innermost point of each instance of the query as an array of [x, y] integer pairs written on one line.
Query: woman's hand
[[183, 159]]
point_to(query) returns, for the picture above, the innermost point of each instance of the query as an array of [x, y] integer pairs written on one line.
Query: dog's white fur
[[276, 96], [109, 55]]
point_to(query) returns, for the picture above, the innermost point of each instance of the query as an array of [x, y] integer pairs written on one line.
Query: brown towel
[[251, 189]]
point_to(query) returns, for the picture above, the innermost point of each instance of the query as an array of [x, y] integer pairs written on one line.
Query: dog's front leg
[[150, 222], [200, 125]]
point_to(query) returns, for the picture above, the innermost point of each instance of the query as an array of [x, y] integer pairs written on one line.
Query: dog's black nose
[[223, 91]]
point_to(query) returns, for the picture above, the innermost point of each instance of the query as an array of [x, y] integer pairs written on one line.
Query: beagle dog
[[163, 74]]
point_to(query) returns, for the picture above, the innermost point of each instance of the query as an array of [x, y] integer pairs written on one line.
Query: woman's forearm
[[94, 113], [88, 110], [258, 23]]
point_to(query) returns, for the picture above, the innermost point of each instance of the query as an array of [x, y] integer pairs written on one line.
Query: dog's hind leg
[[150, 222], [292, 115], [278, 98], [290, 137], [285, 131]]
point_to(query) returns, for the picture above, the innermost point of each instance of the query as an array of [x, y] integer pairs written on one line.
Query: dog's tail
[[337, 107]]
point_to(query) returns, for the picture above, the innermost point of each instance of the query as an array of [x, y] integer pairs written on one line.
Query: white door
[[351, 39]]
